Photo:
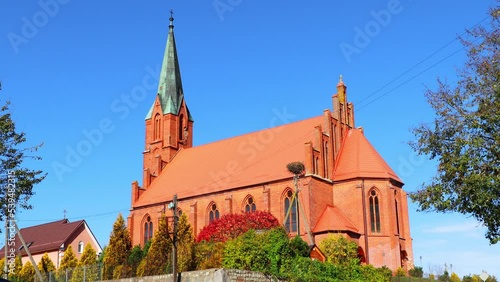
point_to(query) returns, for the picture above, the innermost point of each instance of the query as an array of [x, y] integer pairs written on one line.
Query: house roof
[[47, 237], [249, 159], [358, 158], [332, 219]]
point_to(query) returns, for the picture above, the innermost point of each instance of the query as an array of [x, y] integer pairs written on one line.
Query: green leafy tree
[[87, 266], [185, 245], [46, 267], [18, 180], [68, 264], [158, 257], [339, 250], [465, 136], [118, 250], [28, 272], [417, 271]]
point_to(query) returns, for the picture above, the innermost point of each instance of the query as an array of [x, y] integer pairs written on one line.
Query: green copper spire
[[170, 84]]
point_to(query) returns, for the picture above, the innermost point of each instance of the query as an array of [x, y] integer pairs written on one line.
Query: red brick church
[[347, 187]]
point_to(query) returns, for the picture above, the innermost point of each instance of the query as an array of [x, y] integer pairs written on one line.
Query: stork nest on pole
[[296, 168]]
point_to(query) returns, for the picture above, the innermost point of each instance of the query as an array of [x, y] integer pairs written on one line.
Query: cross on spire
[[171, 18]]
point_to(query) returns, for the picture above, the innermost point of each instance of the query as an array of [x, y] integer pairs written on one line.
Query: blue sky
[[82, 75]]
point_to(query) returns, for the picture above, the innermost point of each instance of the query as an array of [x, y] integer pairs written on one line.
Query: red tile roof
[[358, 158], [333, 219], [47, 237], [249, 159]]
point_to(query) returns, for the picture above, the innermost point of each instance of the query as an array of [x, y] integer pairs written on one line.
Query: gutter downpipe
[[363, 196]]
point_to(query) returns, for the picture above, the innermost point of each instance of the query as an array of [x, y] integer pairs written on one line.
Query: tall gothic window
[[250, 205], [148, 230], [326, 160], [213, 213], [181, 127], [374, 212], [397, 214], [157, 127], [290, 208]]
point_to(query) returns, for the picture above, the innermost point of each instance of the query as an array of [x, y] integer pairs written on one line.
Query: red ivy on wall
[[232, 225]]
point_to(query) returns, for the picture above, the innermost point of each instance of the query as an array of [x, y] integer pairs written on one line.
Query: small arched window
[[213, 213], [290, 208], [157, 127], [148, 230], [80, 247], [250, 205], [374, 211]]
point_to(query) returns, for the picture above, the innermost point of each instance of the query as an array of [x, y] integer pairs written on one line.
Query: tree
[[68, 264], [118, 250], [185, 245], [18, 180], [339, 250], [417, 271], [159, 254], [134, 259], [87, 266], [465, 135], [46, 267], [27, 272], [454, 277]]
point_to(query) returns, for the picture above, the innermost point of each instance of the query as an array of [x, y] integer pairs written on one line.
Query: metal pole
[[28, 252], [174, 241], [5, 268]]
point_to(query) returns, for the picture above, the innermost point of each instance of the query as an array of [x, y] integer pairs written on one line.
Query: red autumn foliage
[[232, 225]]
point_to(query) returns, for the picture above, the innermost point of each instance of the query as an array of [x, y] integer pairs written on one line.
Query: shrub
[[417, 271], [339, 250], [231, 226]]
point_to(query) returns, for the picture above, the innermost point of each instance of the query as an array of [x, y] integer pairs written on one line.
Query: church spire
[[170, 90]]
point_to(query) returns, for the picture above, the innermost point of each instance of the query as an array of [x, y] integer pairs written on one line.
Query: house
[[347, 188], [54, 238]]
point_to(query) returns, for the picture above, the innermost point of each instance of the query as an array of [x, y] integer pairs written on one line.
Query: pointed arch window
[[396, 206], [326, 159], [290, 209], [148, 230], [250, 205], [213, 213], [157, 127], [374, 211], [181, 127], [316, 165]]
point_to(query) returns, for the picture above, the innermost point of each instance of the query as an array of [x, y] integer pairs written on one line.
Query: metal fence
[[86, 273]]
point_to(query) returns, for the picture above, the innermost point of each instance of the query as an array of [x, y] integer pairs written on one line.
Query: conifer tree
[[118, 250], [185, 245], [46, 267], [159, 254], [27, 272], [68, 264], [2, 264], [87, 266], [135, 259], [18, 265]]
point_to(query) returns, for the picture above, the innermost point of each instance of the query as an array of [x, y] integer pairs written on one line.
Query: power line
[[413, 67]]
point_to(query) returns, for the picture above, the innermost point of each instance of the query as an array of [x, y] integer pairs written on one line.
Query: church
[[346, 186]]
